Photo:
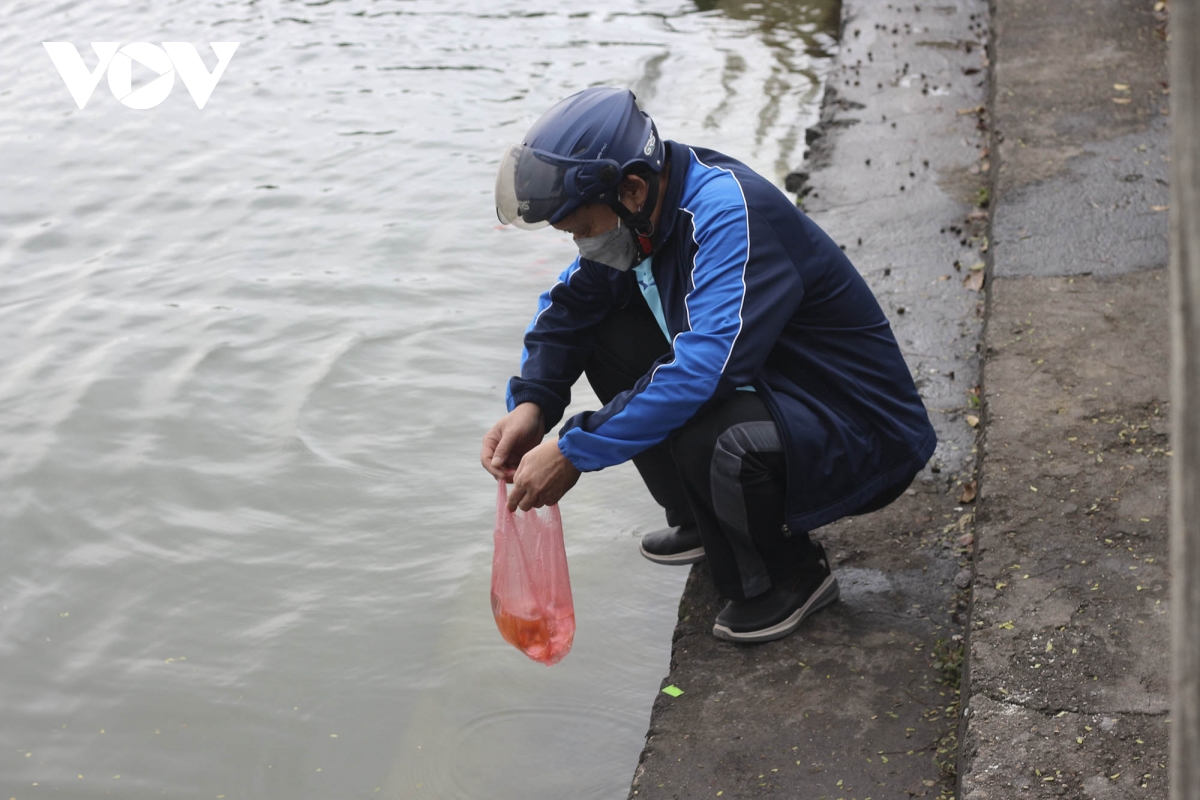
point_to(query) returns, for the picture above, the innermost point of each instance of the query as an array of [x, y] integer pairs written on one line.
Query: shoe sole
[[686, 557], [828, 592]]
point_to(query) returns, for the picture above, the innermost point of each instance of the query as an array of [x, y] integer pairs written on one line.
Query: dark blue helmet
[[576, 153]]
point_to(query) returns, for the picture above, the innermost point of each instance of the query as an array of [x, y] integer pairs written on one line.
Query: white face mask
[[614, 248]]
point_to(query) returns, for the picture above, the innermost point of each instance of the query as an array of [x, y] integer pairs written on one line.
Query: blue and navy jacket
[[753, 293]]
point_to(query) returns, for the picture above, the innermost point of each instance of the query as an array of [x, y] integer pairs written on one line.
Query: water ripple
[[249, 354]]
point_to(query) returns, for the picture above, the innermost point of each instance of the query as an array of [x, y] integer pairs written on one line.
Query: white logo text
[[118, 61]]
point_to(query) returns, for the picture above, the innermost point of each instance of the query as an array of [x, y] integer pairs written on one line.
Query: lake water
[[248, 353]]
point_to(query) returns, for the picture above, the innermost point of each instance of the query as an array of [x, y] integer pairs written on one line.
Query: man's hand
[[510, 439], [542, 478]]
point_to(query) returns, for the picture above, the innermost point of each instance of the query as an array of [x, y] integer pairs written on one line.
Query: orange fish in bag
[[531, 591]]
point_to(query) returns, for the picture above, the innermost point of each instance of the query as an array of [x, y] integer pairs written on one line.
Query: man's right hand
[[511, 438]]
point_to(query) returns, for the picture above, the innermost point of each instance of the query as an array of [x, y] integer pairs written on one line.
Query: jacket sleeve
[[745, 289], [559, 339]]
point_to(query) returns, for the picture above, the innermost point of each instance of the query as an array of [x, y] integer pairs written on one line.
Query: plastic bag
[[531, 591]]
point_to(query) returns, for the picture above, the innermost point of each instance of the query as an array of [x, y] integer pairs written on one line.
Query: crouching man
[[744, 365]]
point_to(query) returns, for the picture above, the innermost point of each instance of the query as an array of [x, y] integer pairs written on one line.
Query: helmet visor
[[531, 187]]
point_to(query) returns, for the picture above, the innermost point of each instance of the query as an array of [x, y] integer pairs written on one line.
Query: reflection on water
[[249, 352], [795, 37]]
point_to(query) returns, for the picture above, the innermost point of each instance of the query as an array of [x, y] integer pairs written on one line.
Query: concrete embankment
[[862, 701], [1050, 194], [1068, 662]]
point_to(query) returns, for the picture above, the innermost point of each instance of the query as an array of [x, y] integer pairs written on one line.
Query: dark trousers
[[723, 472]]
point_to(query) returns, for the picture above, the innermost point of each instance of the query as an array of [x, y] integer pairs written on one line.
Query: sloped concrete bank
[[863, 700]]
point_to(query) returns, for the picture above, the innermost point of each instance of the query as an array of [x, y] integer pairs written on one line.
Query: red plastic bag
[[531, 591]]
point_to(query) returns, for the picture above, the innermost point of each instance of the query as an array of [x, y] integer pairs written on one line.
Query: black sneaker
[[680, 545], [781, 610]]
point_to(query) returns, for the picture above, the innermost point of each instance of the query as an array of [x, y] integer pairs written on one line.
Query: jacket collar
[[679, 157]]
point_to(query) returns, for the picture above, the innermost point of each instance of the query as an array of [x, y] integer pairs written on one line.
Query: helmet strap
[[639, 224]]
